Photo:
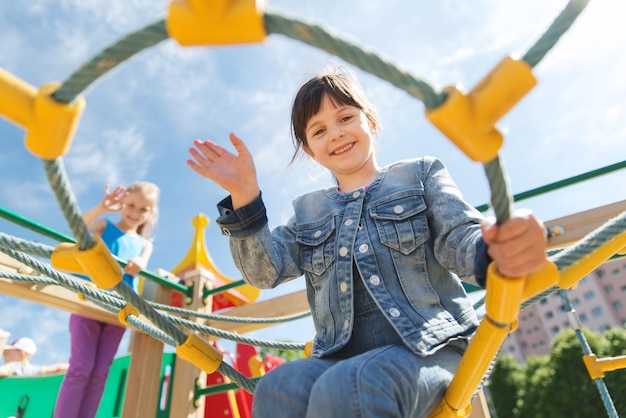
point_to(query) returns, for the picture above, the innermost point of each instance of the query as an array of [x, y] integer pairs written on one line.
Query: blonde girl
[[94, 343]]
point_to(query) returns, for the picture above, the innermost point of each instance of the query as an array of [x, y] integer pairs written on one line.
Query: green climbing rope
[[164, 326]]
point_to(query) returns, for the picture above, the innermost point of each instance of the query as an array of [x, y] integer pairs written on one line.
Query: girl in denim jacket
[[383, 254]]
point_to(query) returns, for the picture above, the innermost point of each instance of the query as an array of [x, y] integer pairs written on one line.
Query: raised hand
[[112, 201], [233, 172]]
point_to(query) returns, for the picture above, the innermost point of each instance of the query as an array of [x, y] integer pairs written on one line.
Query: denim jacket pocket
[[317, 245], [401, 222]]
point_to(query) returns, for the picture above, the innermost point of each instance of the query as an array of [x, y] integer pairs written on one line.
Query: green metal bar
[[57, 236], [562, 183], [34, 226], [160, 280], [222, 289], [215, 389]]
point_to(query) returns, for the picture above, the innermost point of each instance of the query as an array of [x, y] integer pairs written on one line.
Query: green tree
[[536, 374], [559, 385], [574, 393], [505, 385], [616, 380]]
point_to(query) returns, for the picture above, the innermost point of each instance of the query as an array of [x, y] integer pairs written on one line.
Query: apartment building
[[599, 301]]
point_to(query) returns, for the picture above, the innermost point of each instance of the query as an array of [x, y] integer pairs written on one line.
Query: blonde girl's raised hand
[[235, 173], [112, 201]]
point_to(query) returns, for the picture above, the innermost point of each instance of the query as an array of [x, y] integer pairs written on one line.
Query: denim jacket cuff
[[243, 222], [481, 262]]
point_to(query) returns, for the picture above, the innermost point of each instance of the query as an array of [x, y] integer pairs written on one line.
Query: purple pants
[[93, 347]]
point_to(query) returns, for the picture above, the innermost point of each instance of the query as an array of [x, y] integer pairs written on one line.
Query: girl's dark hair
[[342, 88]]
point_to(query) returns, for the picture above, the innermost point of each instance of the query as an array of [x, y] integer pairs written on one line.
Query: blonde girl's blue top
[[123, 245]]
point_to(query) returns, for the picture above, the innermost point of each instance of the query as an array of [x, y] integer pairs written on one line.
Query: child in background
[[94, 343], [383, 254], [17, 356]]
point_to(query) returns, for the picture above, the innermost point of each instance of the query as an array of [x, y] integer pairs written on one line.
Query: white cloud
[[150, 108], [113, 157], [25, 196], [72, 45], [120, 15], [46, 326]]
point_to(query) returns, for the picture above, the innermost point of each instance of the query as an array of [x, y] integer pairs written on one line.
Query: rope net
[[167, 324]]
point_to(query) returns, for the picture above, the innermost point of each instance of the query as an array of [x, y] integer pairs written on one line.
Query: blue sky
[[141, 117]]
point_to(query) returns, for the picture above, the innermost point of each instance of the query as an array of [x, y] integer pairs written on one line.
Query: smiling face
[[334, 123], [341, 138], [136, 210], [140, 211], [333, 100]]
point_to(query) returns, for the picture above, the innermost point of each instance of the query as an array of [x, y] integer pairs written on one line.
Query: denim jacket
[[410, 233]]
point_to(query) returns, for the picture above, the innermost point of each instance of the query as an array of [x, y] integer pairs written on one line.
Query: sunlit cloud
[[113, 157], [26, 196], [142, 116]]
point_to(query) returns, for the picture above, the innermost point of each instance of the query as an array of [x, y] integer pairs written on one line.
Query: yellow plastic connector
[[596, 367], [469, 119], [49, 124], [541, 280], [199, 352], [502, 304], [95, 262], [125, 312], [81, 296], [17, 99], [504, 296], [308, 348], [216, 22], [55, 123], [256, 367]]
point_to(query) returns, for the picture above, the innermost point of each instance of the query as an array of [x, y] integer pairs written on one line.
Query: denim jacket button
[[398, 209], [356, 194], [317, 234], [343, 286], [394, 312], [421, 346], [346, 324], [343, 251], [363, 248], [225, 231], [375, 280], [348, 222]]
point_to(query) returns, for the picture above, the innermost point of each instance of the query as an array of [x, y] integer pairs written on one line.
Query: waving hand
[[233, 172]]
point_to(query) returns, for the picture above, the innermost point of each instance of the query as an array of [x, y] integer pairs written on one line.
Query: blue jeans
[[375, 375], [386, 382]]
